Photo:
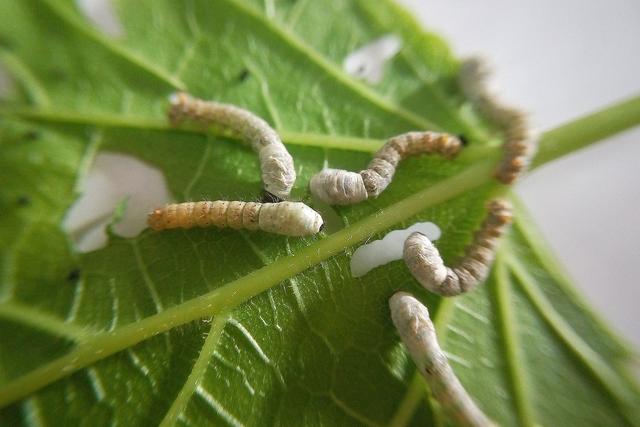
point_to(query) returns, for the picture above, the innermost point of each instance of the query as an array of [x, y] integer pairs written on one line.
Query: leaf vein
[[596, 366], [518, 374], [356, 87], [60, 11], [151, 287], [25, 315], [197, 373], [218, 408]]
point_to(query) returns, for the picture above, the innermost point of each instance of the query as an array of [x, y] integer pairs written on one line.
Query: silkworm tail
[[418, 334]]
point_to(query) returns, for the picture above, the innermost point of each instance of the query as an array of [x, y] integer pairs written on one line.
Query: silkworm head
[[305, 220], [409, 315], [156, 219], [424, 261]]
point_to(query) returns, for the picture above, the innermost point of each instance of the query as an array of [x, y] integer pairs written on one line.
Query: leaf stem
[[586, 130]]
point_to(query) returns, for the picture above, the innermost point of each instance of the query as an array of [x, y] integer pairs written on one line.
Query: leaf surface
[[219, 327]]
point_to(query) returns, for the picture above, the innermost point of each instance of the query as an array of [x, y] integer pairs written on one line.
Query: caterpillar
[[286, 218], [426, 265], [341, 187], [276, 164], [418, 334], [519, 144]]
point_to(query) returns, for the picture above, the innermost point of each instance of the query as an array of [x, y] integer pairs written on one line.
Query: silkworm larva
[[286, 218], [426, 265], [519, 144], [341, 187], [418, 334], [276, 164]]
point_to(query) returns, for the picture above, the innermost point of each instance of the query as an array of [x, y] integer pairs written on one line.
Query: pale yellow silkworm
[[427, 267], [418, 334], [341, 187], [519, 144], [286, 218], [276, 164]]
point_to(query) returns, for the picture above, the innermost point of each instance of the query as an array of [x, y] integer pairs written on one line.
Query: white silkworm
[[276, 164], [427, 267], [519, 144], [286, 218], [418, 334], [341, 187]]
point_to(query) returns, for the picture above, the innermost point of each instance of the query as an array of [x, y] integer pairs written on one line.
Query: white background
[[560, 59]]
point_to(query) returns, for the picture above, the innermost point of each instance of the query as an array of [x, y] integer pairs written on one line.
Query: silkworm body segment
[[418, 334], [340, 187], [519, 143], [286, 218], [427, 267], [276, 164]]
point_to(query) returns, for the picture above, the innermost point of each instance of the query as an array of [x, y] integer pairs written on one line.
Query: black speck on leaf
[[23, 200], [73, 276], [32, 135], [243, 75]]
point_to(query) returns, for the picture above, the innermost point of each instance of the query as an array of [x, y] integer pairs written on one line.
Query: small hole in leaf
[[368, 61], [389, 248], [101, 14]]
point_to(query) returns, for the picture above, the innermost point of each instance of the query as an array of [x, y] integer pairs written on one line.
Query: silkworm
[[519, 144], [418, 334], [286, 218], [276, 164], [427, 267], [341, 187]]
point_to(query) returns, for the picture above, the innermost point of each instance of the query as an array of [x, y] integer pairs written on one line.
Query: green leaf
[[215, 327]]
